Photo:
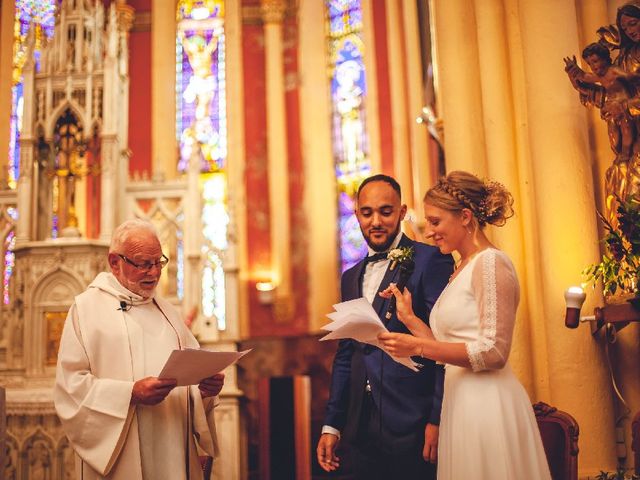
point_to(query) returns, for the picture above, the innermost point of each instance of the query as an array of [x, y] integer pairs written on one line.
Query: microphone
[[406, 269], [124, 306]]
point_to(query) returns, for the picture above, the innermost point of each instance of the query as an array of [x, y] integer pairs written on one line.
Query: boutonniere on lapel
[[400, 256]]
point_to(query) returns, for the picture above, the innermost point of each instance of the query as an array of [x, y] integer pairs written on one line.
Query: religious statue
[[348, 100], [39, 462], [9, 464], [202, 84], [200, 48], [613, 86]]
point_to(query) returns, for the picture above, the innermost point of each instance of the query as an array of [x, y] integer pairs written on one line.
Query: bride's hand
[[404, 309], [400, 344]]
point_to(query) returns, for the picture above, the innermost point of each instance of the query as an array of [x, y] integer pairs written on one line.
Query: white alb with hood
[[104, 350]]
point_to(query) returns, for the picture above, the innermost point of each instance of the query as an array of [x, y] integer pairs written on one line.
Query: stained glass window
[[201, 129], [36, 18], [180, 258], [348, 91], [215, 220], [201, 83], [9, 256]]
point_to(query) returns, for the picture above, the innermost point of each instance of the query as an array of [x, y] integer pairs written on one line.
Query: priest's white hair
[[126, 229]]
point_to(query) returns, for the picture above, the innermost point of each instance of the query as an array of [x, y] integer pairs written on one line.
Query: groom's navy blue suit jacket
[[405, 400]]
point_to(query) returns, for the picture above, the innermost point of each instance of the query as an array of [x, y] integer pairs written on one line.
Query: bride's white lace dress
[[488, 430]]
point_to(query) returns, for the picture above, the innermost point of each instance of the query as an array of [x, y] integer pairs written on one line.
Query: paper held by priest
[[358, 320], [192, 365]]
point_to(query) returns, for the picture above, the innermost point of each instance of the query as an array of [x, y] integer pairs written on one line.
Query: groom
[[386, 412]]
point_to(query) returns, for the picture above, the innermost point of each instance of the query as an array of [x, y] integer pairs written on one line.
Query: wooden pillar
[[24, 228], [273, 13], [319, 172], [371, 103], [418, 136], [236, 257], [399, 98], [163, 88], [284, 428]]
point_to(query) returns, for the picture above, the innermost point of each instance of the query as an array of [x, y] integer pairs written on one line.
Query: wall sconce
[[574, 298], [266, 292]]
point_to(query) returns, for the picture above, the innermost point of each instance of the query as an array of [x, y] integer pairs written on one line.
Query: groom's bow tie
[[376, 257]]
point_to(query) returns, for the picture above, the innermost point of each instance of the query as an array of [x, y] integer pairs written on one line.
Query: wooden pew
[[559, 432], [285, 428]]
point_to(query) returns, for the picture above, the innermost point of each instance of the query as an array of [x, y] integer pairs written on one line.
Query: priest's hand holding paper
[[211, 386], [151, 390]]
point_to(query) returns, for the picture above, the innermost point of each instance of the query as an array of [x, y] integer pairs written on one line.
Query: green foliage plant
[[620, 474], [619, 269]]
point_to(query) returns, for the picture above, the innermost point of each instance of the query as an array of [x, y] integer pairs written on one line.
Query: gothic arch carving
[[70, 104], [64, 461], [49, 286], [52, 296], [37, 456], [11, 466]]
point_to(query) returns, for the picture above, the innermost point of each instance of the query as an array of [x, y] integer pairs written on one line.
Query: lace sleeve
[[496, 291]]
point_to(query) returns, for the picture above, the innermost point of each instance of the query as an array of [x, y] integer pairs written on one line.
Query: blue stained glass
[[344, 16], [39, 12], [14, 134], [9, 257], [350, 146], [40, 15], [352, 242], [9, 264]]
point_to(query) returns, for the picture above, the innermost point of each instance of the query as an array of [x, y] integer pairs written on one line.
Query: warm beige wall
[[519, 121], [593, 14], [498, 117], [458, 92]]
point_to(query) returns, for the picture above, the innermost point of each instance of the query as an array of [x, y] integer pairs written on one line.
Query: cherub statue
[[610, 87], [613, 87]]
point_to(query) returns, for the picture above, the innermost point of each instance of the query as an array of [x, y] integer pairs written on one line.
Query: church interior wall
[[509, 113], [381, 79], [256, 172]]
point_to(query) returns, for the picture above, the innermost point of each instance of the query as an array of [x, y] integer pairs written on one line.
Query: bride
[[488, 430]]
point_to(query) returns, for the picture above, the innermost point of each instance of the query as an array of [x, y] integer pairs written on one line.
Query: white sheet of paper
[[191, 365], [358, 320]]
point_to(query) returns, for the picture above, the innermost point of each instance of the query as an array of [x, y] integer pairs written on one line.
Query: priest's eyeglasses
[[146, 266]]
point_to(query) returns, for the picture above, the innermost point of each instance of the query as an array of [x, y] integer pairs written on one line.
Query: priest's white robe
[[104, 350]]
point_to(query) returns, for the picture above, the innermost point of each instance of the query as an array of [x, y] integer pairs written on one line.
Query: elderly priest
[[121, 420]]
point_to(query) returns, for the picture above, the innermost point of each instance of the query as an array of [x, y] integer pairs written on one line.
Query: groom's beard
[[381, 247]]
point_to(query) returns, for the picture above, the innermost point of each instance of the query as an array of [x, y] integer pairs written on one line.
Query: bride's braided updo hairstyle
[[490, 202]]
